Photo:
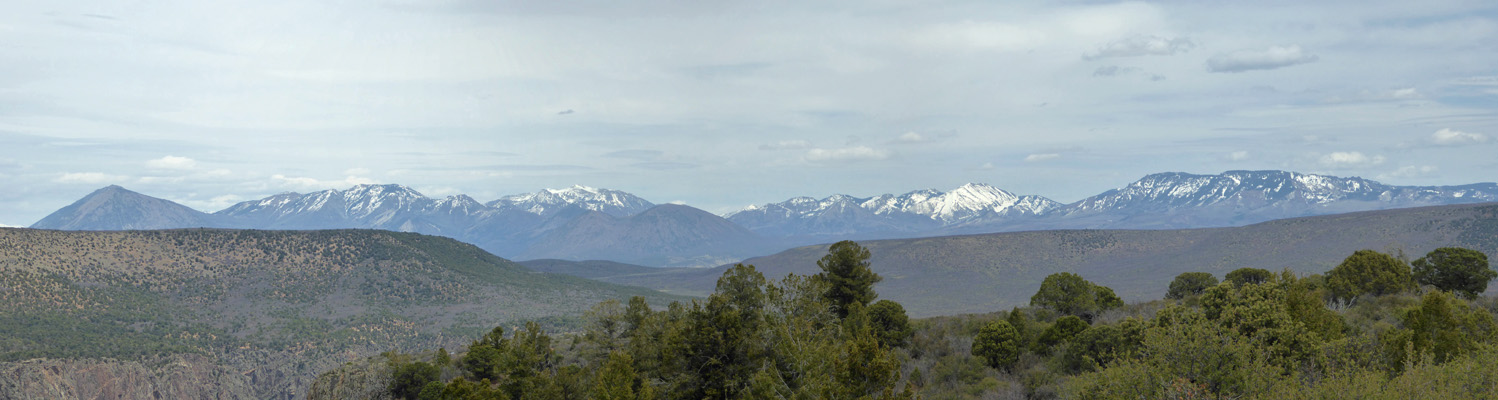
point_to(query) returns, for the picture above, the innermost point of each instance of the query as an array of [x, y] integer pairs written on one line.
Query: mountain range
[[590, 223], [961, 274]]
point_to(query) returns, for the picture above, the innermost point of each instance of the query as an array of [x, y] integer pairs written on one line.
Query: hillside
[[983, 273], [269, 309], [592, 269], [664, 235]]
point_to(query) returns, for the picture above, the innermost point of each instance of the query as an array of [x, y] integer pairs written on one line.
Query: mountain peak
[[546, 202], [115, 208], [387, 188]]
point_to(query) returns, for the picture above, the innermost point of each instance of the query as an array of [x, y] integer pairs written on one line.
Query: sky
[[724, 104]]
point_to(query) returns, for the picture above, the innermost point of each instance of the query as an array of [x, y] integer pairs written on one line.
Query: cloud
[[565, 112], [90, 178], [1349, 159], [151, 180], [1255, 59], [1118, 71], [979, 36], [306, 183], [1406, 93], [635, 154], [172, 162], [786, 145], [1113, 70], [1400, 94], [1142, 46], [1409, 171], [855, 153], [665, 165], [507, 167], [1452, 137], [1042, 157], [913, 137], [1238, 156]]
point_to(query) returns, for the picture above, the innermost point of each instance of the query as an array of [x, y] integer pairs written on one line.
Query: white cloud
[[1256, 59], [856, 153], [160, 179], [786, 145], [1349, 159], [8, 226], [1114, 70], [305, 183], [912, 137], [1142, 46], [1409, 171], [90, 178], [1238, 156], [1452, 137], [172, 162], [980, 36], [1042, 157], [439, 191]]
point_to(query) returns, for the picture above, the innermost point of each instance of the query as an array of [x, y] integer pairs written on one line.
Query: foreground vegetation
[[1372, 327]]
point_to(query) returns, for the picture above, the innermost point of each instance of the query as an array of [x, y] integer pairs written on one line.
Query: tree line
[[1375, 326]]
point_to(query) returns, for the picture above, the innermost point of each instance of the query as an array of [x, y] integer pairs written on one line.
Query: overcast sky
[[723, 104]]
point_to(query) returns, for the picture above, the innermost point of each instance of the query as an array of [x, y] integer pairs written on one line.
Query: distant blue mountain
[[588, 223]]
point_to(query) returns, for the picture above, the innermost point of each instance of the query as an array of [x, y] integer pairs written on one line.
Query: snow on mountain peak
[[966, 202], [547, 201]]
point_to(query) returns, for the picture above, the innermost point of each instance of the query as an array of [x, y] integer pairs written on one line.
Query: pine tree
[[850, 282]]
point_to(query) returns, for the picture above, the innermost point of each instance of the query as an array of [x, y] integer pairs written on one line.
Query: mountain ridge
[[545, 223]]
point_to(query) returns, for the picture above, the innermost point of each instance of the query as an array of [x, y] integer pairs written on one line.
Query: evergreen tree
[[1368, 272], [409, 379], [1069, 294], [1060, 332], [1246, 275], [617, 379], [850, 282], [891, 324], [1190, 284], [1464, 272], [997, 345]]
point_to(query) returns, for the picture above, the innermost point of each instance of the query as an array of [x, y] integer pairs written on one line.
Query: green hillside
[[980, 273], [277, 306]]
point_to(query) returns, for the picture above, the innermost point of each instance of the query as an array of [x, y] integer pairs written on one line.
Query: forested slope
[[268, 308]]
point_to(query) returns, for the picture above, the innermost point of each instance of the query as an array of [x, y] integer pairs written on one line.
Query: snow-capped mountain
[[520, 225], [1181, 200], [549, 201], [601, 223], [886, 215], [973, 200], [392, 207]]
